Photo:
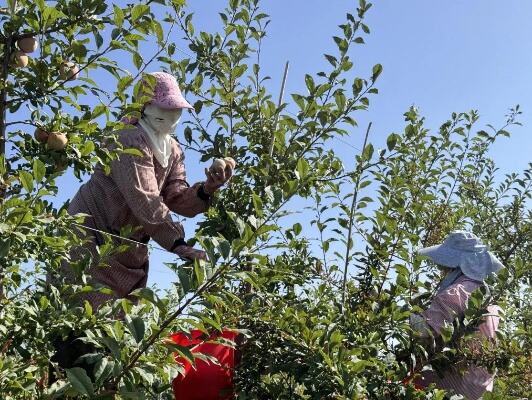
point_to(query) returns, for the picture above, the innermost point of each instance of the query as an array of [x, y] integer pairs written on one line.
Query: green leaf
[[136, 327], [138, 11], [88, 308], [26, 179], [133, 151], [199, 272], [137, 60], [309, 81], [368, 152], [392, 141], [39, 170], [118, 16], [183, 273], [87, 148], [80, 381], [257, 204], [103, 369], [40, 4], [112, 345], [182, 351], [158, 29], [302, 168], [446, 333], [300, 100], [331, 59], [5, 244], [377, 69]]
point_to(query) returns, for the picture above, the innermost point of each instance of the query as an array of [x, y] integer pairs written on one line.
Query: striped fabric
[[138, 193], [445, 307]]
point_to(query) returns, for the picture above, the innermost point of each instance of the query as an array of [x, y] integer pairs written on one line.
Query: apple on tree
[[20, 59], [57, 141], [28, 44], [218, 166], [68, 71], [41, 135]]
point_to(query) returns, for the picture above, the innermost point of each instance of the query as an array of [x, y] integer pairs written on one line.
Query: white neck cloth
[[159, 124], [160, 143]]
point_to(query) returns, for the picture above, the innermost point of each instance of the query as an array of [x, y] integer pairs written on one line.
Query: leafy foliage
[[324, 304]]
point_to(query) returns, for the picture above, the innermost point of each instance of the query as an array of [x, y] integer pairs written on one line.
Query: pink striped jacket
[[445, 307]]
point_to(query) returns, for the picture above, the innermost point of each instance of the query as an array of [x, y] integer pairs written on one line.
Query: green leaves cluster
[[312, 332]]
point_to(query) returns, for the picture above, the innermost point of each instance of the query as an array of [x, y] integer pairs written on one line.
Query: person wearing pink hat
[[140, 193], [138, 196]]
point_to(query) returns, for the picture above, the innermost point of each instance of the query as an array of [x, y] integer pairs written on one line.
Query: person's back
[[470, 381], [467, 263]]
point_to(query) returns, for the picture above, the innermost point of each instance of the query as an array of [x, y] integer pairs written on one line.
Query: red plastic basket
[[208, 381]]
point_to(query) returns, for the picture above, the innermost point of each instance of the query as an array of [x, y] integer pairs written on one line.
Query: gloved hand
[[218, 174], [188, 253]]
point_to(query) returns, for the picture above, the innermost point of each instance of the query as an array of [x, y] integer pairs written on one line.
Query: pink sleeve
[[178, 195], [449, 305], [489, 327], [135, 178]]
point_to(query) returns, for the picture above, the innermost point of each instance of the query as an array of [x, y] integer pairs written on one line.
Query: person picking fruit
[[467, 263], [140, 193]]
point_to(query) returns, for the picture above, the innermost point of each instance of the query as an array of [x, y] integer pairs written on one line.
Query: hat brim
[[476, 266], [442, 255], [172, 103]]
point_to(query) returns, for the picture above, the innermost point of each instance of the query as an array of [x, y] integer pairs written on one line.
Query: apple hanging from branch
[[68, 71], [20, 59], [28, 44], [57, 141], [229, 163], [41, 135]]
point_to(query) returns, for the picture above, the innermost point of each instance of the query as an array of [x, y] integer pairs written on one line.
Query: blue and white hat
[[466, 251]]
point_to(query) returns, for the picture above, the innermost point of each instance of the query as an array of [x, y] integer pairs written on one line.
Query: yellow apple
[[68, 71], [230, 162], [218, 167], [28, 45], [21, 59], [57, 141]]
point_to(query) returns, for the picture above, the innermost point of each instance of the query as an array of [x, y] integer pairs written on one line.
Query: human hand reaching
[[189, 253], [219, 173]]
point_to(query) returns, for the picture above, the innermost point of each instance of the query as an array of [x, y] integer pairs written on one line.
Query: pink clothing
[[445, 307], [139, 193]]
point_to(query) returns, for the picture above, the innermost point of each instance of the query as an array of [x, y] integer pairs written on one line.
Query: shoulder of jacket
[[177, 150], [133, 137]]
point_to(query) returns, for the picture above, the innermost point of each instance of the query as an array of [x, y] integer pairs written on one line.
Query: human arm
[[178, 195], [135, 178], [188, 200]]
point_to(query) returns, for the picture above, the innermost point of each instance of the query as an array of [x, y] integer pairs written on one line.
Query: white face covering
[[159, 124]]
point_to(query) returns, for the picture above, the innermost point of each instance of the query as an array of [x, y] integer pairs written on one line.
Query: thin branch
[[360, 169], [279, 104]]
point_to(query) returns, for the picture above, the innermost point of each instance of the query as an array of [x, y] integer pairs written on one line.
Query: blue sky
[[441, 56]]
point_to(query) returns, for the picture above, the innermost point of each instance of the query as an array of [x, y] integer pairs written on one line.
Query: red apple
[[28, 45], [41, 135], [57, 141]]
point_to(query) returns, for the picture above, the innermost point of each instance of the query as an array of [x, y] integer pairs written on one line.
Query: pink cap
[[167, 94]]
